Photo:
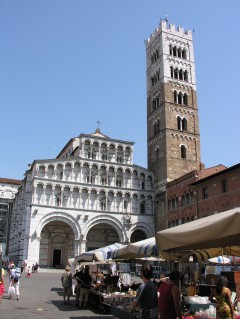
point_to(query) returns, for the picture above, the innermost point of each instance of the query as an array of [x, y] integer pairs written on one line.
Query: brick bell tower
[[172, 113]]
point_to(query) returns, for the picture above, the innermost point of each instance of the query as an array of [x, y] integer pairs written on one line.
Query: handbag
[[11, 290]]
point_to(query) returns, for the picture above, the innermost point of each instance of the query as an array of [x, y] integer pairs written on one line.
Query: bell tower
[[172, 113]]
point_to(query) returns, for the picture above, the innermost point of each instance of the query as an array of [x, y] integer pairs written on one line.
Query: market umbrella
[[220, 260], [219, 230], [100, 254]]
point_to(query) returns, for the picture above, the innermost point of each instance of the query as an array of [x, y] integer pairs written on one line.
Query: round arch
[[106, 219], [64, 217]]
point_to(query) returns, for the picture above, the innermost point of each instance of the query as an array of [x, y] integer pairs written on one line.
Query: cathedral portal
[[56, 245]]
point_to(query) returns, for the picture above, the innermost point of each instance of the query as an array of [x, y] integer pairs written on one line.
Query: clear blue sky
[[65, 64]]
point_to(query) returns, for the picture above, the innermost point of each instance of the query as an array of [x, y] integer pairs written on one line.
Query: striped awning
[[143, 248], [100, 254]]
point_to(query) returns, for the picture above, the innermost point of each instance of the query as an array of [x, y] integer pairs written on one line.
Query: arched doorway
[[56, 245], [138, 235], [101, 235]]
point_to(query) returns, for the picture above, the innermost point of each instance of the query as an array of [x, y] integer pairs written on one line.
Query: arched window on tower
[[158, 126], [185, 99], [175, 73], [179, 123], [184, 54], [183, 152], [181, 75], [184, 124], [175, 96], [171, 71], [170, 49], [180, 98], [186, 76], [174, 51], [155, 128], [153, 104], [179, 52], [157, 153]]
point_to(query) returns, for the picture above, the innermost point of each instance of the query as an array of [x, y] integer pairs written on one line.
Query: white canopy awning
[[142, 248], [100, 254]]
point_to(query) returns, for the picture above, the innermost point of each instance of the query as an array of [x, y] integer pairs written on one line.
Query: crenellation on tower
[[171, 29]]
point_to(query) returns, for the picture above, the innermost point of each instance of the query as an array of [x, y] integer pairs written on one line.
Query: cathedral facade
[[91, 195]]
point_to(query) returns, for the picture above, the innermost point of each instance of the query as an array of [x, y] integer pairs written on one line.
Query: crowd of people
[[12, 287], [153, 300]]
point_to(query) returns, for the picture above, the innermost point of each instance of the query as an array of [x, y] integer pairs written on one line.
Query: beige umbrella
[[219, 230]]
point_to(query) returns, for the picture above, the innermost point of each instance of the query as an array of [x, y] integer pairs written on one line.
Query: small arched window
[[175, 96], [180, 98], [179, 123], [171, 71], [170, 49], [183, 151], [185, 99], [155, 128], [176, 73], [158, 126], [181, 75], [174, 51], [184, 124], [184, 54], [157, 153], [179, 52], [186, 76]]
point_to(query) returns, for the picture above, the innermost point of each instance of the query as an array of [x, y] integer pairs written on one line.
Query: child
[[29, 272], [1, 288]]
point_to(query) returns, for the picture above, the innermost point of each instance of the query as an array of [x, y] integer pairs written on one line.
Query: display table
[[104, 301], [194, 307], [196, 303], [123, 313]]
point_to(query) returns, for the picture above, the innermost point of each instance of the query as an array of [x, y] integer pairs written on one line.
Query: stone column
[[83, 244]]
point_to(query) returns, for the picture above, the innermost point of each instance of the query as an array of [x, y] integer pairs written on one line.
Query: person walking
[[169, 301], [14, 287], [221, 295], [86, 280], [147, 298], [29, 272], [66, 280], [77, 275]]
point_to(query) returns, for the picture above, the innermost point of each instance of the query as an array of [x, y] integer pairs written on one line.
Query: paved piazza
[[41, 297]]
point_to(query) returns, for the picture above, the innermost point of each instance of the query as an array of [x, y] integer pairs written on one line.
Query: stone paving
[[41, 297]]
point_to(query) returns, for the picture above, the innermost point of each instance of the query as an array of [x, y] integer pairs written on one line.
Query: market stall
[[211, 236]]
